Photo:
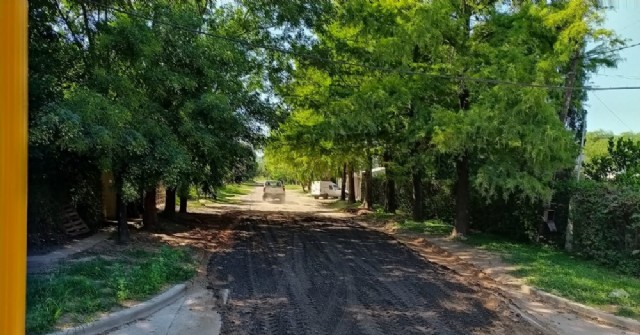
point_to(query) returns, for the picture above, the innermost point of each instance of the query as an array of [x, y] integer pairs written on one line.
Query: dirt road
[[295, 269]]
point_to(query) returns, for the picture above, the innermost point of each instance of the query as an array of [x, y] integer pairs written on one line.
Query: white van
[[325, 189]]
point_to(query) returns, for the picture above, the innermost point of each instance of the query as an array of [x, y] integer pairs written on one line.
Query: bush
[[514, 218], [438, 201], [606, 221]]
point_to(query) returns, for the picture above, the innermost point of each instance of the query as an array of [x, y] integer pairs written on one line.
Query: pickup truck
[[273, 189]]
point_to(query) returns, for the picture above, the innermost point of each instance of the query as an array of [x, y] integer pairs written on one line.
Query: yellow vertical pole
[[13, 165]]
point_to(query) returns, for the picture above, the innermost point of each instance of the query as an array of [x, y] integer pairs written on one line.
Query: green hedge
[[606, 221]]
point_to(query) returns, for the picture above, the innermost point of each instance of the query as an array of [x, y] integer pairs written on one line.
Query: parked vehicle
[[325, 189], [273, 189]]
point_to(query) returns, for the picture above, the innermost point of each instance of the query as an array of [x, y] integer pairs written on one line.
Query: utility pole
[[568, 242]]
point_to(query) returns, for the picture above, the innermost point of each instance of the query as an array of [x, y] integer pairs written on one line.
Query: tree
[[153, 96], [597, 143], [621, 164]]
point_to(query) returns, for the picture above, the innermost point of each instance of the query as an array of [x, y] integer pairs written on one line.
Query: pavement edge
[[128, 315]]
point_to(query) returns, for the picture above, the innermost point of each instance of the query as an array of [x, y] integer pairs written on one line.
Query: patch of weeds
[[235, 189], [228, 191], [98, 268], [80, 290], [431, 227], [380, 215], [628, 312]]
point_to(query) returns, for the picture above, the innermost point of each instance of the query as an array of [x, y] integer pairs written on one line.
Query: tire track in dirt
[[337, 278], [403, 295], [378, 290], [412, 293], [344, 278]]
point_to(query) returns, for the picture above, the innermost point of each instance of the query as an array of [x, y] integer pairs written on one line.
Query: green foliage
[[85, 289], [516, 218], [513, 135], [136, 88], [226, 193], [597, 142], [429, 227], [621, 164], [607, 225]]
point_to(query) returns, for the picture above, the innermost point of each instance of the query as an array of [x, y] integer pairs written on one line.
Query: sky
[[618, 111]]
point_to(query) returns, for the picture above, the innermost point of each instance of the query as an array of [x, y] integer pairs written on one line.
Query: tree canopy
[[484, 98], [476, 92]]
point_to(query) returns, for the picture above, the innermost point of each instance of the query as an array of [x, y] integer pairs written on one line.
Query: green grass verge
[[293, 187], [77, 292], [225, 195], [562, 274], [431, 227], [229, 191]]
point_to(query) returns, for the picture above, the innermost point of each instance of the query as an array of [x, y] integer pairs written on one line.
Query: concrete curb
[[585, 311], [136, 312]]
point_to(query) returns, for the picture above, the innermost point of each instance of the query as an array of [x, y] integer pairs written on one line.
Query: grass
[[562, 274], [76, 293], [231, 190], [224, 195], [294, 187], [431, 227]]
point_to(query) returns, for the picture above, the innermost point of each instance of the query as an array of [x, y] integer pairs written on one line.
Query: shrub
[[606, 221]]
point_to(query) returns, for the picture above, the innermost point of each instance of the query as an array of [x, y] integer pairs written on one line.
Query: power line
[[622, 48], [617, 75], [369, 67], [611, 111]]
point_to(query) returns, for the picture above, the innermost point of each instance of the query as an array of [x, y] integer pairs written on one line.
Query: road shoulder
[[486, 269]]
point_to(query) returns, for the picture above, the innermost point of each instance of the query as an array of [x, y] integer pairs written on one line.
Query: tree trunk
[[139, 203], [303, 187], [132, 209], [418, 196], [343, 193], [366, 192], [564, 116], [170, 201], [391, 203], [121, 207], [351, 199], [569, 82], [183, 204], [462, 186], [150, 217], [368, 185], [183, 194], [462, 192]]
